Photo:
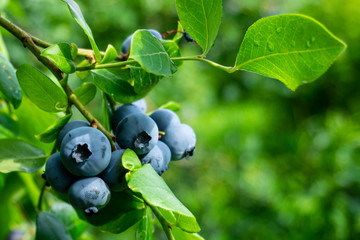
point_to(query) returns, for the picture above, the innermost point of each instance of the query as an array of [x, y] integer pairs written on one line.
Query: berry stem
[[165, 225], [74, 100]]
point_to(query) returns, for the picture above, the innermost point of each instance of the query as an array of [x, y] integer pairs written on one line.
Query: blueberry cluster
[[87, 170]]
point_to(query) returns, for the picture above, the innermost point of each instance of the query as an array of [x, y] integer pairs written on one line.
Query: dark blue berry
[[137, 132], [121, 112], [164, 118], [89, 194], [158, 157], [70, 126], [114, 173], [57, 175], [85, 151], [181, 140]]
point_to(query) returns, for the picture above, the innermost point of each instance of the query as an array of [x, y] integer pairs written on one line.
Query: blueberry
[[89, 194], [69, 126], [165, 118], [127, 42], [187, 37], [137, 132], [15, 235], [121, 112], [85, 151], [181, 140], [114, 173], [141, 105], [158, 157], [57, 175]]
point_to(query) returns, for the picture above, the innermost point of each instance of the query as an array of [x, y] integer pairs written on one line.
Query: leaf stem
[[107, 65], [165, 225], [128, 62], [201, 59]]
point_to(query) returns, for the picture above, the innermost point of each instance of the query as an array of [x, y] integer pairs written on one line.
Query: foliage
[[249, 129]]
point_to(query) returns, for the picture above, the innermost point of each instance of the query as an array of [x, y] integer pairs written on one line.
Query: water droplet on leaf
[[257, 43], [278, 29], [308, 44], [313, 39], [293, 43]]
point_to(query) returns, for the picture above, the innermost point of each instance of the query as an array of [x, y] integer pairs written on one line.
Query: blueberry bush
[[106, 173]]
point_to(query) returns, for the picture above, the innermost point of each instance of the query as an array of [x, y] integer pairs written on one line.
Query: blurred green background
[[269, 163]]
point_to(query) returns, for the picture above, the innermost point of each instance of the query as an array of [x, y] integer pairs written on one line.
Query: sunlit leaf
[[50, 134], [79, 18], [61, 55], [149, 52], [46, 93], [293, 48], [201, 20]]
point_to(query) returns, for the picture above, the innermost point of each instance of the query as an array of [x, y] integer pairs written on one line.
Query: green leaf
[[106, 113], [67, 214], [50, 134], [43, 91], [122, 212], [86, 92], [9, 85], [9, 128], [17, 155], [83, 74], [179, 34], [181, 235], [130, 160], [48, 226], [79, 18], [149, 52], [33, 121], [174, 106], [201, 20], [61, 55], [113, 85], [143, 81], [156, 193], [110, 54], [293, 48], [172, 48], [145, 228]]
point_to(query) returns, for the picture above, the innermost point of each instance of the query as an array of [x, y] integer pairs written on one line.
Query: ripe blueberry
[[57, 175], [187, 37], [164, 118], [158, 157], [137, 132], [127, 42], [121, 112], [85, 151], [89, 194], [69, 126], [181, 140], [114, 173], [141, 105]]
